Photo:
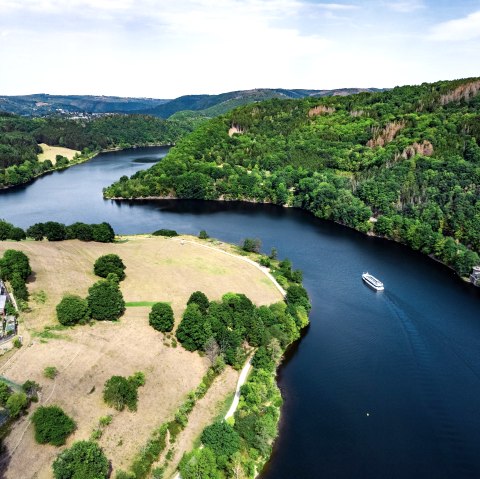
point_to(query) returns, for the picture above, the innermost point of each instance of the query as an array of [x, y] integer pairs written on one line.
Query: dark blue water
[[383, 385]]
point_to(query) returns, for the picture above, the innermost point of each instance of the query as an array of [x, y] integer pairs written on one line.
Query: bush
[[31, 388], [221, 438], [200, 299], [109, 263], [14, 261], [103, 233], [19, 287], [17, 343], [5, 393], [105, 301], [165, 232], [252, 245], [72, 310], [52, 425], [203, 235], [84, 460], [16, 404], [120, 392], [298, 296], [50, 372], [161, 317]]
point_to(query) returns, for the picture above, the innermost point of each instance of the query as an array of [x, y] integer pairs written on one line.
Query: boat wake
[[430, 379]]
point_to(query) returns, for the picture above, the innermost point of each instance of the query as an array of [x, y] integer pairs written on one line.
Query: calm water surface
[[383, 385]]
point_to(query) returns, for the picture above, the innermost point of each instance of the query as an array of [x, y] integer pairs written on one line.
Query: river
[[383, 385]]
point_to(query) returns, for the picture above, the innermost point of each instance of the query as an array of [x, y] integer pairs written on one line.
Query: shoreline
[[83, 159], [370, 234]]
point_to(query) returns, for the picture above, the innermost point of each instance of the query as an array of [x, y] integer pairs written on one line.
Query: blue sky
[[164, 49]]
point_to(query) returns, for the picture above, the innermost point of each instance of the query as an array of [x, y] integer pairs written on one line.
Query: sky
[[165, 49]]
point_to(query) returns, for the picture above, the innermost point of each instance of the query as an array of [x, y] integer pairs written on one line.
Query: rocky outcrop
[[321, 110], [464, 92], [424, 149], [236, 129], [382, 136]]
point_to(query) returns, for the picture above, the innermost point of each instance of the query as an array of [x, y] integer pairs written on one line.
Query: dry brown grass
[[158, 269], [50, 152]]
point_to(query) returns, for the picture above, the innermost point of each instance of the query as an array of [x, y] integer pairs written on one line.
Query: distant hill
[[214, 105], [42, 104]]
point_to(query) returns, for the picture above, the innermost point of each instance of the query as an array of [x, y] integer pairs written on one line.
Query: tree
[[19, 287], [14, 261], [199, 463], [252, 245], [16, 404], [55, 231], [199, 299], [203, 235], [194, 330], [17, 234], [52, 425], [221, 438], [120, 392], [5, 393], [84, 460], [72, 310], [161, 317], [109, 263], [297, 295], [36, 231], [105, 301], [81, 231], [103, 233]]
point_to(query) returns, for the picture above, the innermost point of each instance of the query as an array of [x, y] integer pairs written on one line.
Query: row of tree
[[54, 231]]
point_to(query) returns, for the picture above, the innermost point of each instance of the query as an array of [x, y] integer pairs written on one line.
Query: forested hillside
[[404, 164], [19, 138]]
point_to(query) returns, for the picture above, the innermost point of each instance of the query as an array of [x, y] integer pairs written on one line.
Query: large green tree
[[105, 301]]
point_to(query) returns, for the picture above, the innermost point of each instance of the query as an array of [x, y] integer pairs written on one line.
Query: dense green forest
[[19, 138], [403, 164]]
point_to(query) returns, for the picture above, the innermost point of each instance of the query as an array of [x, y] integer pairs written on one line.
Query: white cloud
[[461, 29], [406, 6]]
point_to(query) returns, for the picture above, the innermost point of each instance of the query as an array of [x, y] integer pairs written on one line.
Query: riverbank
[[370, 233], [83, 158]]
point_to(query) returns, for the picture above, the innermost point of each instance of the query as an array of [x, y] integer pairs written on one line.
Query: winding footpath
[[236, 399], [248, 365]]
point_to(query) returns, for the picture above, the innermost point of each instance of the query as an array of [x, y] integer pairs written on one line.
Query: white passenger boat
[[373, 282]]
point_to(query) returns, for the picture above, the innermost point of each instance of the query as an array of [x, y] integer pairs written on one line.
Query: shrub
[[17, 343], [31, 388], [297, 295], [252, 245], [16, 404], [103, 233], [50, 372], [52, 425], [120, 392], [161, 317], [72, 310], [105, 301], [84, 460], [19, 287], [109, 263], [105, 420], [14, 261], [203, 235], [199, 463], [165, 232], [221, 438], [5, 393], [200, 299]]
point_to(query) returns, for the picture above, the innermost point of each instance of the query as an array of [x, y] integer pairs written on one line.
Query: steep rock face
[[320, 110], [235, 129], [380, 137], [464, 92], [424, 149]]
